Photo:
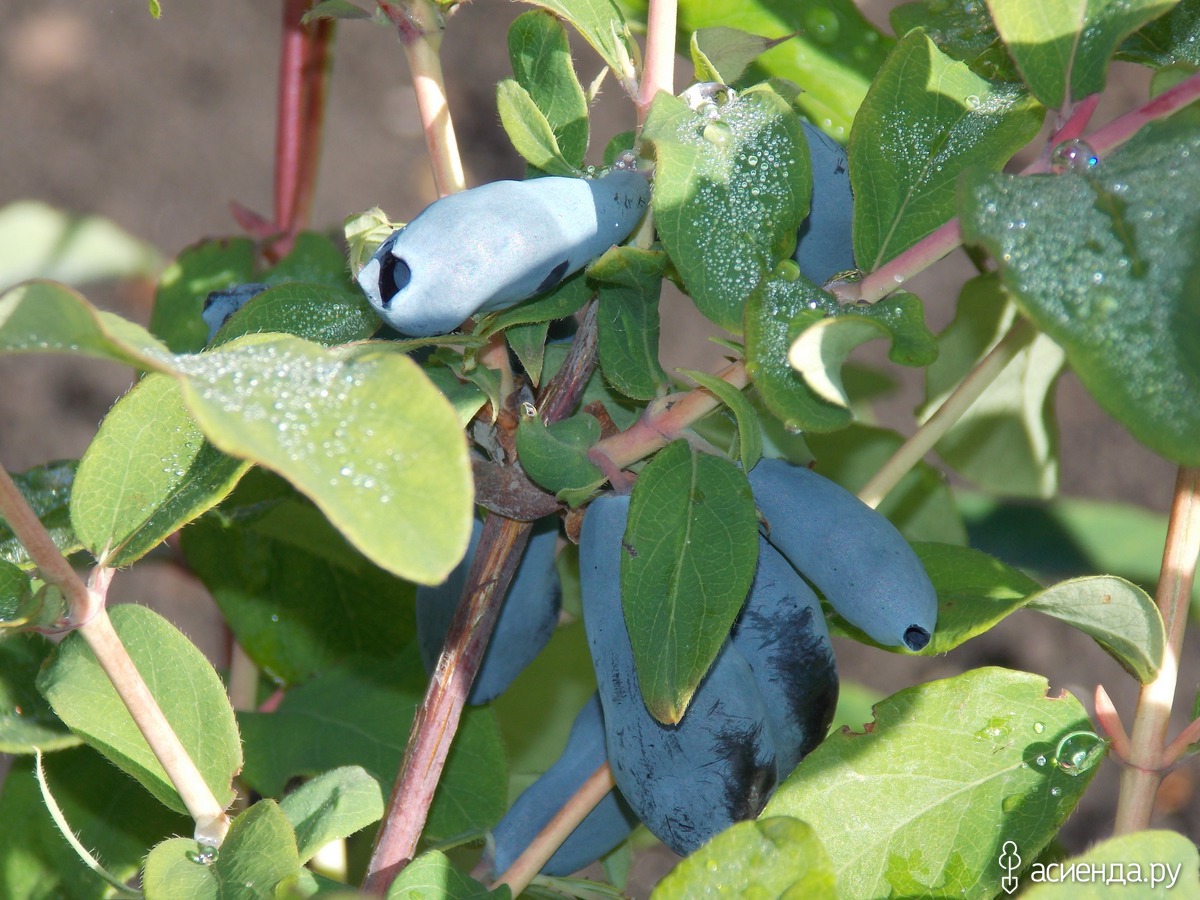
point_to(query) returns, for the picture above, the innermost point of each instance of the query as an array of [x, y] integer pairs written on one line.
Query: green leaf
[[147, 472], [769, 857], [361, 431], [564, 300], [466, 398], [729, 194], [47, 490], [926, 118], [1007, 441], [961, 29], [627, 319], [109, 813], [1169, 40], [693, 546], [723, 54], [948, 772], [18, 604], [43, 316], [197, 272], [784, 309], [555, 456], [316, 312], [431, 876], [600, 23], [1118, 615], [1063, 49], [183, 683], [920, 506], [1106, 263], [529, 131], [1161, 853], [542, 64], [529, 343], [334, 720], [39, 241], [258, 853], [748, 427], [297, 597], [332, 806], [313, 258], [27, 723], [831, 50]]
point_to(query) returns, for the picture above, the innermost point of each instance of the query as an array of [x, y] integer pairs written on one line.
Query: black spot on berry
[[394, 276], [555, 276]]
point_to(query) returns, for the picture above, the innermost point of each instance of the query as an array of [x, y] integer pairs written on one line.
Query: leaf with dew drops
[[1128, 323], [147, 472], [921, 803], [361, 431], [926, 118], [732, 186]]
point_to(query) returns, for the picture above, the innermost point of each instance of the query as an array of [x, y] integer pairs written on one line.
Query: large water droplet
[[718, 133], [1080, 751], [205, 856], [1073, 156]]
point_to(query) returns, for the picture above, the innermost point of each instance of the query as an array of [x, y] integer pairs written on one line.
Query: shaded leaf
[[832, 50], [630, 281], [198, 271], [110, 814], [431, 876], [555, 455], [47, 490], [316, 312], [27, 722], [962, 29], [334, 721], [748, 428]]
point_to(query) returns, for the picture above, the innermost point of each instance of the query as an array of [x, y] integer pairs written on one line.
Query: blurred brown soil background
[[159, 124]]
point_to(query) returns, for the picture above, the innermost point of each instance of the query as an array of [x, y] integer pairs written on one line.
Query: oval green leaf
[[693, 546], [184, 684]]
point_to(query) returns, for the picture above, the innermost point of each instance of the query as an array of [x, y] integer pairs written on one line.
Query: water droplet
[[1011, 802], [1040, 761], [205, 856], [972, 101], [788, 270], [1038, 727], [1055, 792], [627, 161], [752, 160], [1073, 156], [822, 25], [1080, 751]]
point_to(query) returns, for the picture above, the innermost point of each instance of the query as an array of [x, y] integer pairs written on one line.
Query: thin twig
[[952, 409], [420, 27], [658, 73], [549, 839], [1142, 775]]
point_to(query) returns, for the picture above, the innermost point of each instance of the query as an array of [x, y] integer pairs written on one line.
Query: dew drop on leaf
[[1073, 156]]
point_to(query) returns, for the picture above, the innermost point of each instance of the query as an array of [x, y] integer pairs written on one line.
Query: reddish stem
[[303, 66]]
